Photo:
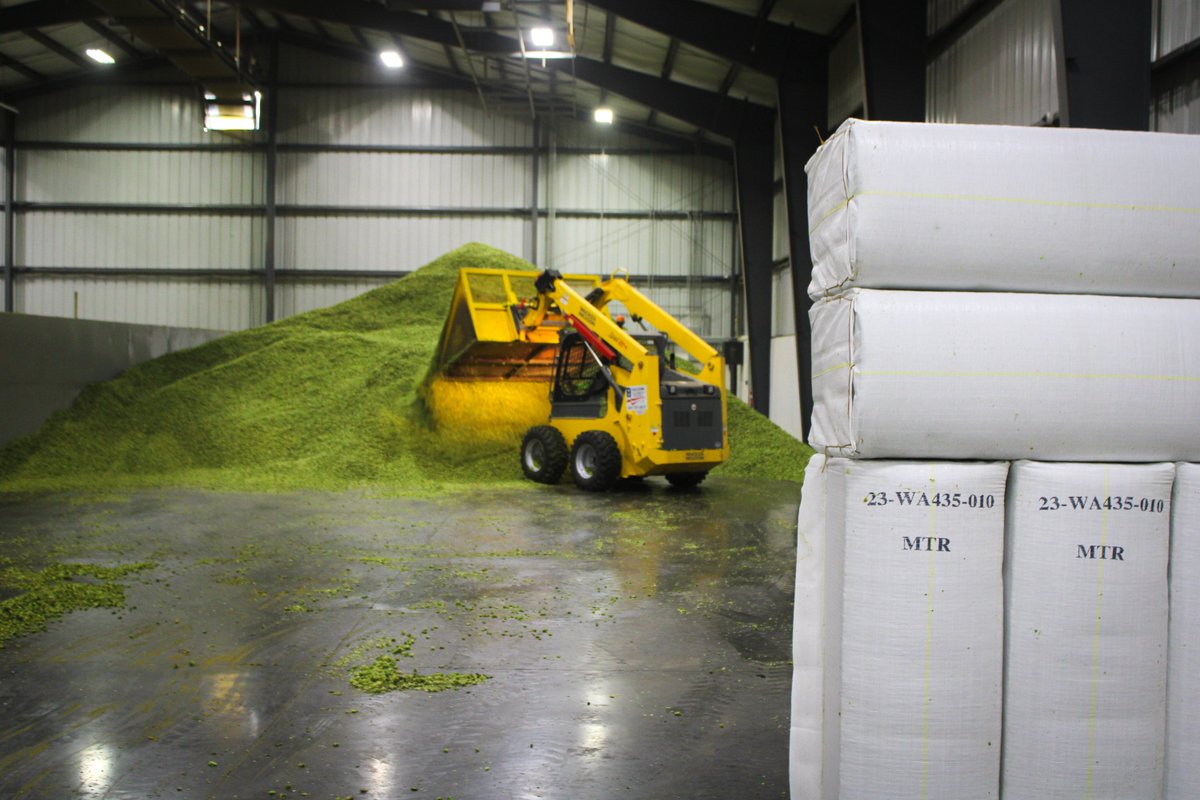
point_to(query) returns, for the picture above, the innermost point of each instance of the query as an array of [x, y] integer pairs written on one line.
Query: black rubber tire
[[686, 480], [543, 454], [595, 461]]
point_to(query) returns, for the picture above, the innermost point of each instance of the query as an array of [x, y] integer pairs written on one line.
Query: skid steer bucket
[[484, 337]]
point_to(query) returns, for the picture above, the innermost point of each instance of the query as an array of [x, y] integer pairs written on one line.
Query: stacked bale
[[1086, 580], [1183, 661], [989, 293]]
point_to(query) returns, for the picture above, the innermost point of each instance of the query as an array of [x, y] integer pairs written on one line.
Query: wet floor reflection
[[636, 642]]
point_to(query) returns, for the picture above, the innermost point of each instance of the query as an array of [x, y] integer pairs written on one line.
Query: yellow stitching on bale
[[902, 373], [1154, 209], [1026, 201]]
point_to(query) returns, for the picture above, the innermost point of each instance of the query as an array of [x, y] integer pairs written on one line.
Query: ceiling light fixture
[[391, 59], [99, 56], [541, 37], [226, 116], [603, 115]]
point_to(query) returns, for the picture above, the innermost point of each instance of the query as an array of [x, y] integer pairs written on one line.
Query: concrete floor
[[638, 645]]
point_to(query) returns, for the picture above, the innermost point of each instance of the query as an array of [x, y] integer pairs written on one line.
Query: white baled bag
[[914, 590], [1183, 652], [809, 636], [973, 375], [1086, 630], [1005, 208]]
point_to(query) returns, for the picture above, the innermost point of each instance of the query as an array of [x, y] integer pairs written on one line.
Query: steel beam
[[1103, 56], [707, 110], [754, 165], [98, 76], [45, 13], [405, 23], [534, 165], [328, 273], [10, 168], [695, 106], [803, 96], [892, 36], [758, 44], [270, 180]]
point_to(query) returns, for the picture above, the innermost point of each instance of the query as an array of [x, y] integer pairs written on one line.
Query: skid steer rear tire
[[543, 454], [595, 461]]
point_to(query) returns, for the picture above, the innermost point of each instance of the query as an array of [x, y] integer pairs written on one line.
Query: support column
[[892, 36], [803, 94], [269, 192], [1103, 49], [533, 192], [753, 161], [10, 227]]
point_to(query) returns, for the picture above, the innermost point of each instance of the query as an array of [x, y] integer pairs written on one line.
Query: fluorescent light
[[542, 55], [603, 115], [99, 56], [391, 59], [541, 37]]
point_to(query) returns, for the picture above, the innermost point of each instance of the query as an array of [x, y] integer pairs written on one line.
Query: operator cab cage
[[692, 414]]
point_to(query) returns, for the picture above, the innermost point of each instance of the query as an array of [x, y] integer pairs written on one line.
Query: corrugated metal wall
[[124, 178], [1176, 106], [370, 177], [1176, 23], [1001, 71]]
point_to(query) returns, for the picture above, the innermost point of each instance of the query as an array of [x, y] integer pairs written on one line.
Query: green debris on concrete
[[325, 400], [47, 594], [384, 675]]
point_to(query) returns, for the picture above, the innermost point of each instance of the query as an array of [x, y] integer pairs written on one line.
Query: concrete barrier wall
[[46, 361]]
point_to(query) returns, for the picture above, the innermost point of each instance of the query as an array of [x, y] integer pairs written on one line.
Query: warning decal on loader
[[635, 399]]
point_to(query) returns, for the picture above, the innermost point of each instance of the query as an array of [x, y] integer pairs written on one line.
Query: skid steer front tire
[[543, 454], [595, 461]]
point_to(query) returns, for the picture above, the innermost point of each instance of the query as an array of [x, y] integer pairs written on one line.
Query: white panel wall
[[640, 182], [1177, 110], [152, 115], [110, 240], [99, 176], [413, 180], [298, 297], [643, 246], [1177, 107], [783, 317], [390, 178], [179, 302], [389, 242], [1001, 71], [1176, 23], [785, 385], [780, 246], [385, 116]]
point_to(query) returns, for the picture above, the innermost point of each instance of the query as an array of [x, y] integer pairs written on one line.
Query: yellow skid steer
[[622, 404]]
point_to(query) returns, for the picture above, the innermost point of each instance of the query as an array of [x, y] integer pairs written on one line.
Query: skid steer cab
[[622, 404]]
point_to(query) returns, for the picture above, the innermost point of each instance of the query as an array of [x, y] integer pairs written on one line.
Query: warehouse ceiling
[[685, 69]]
